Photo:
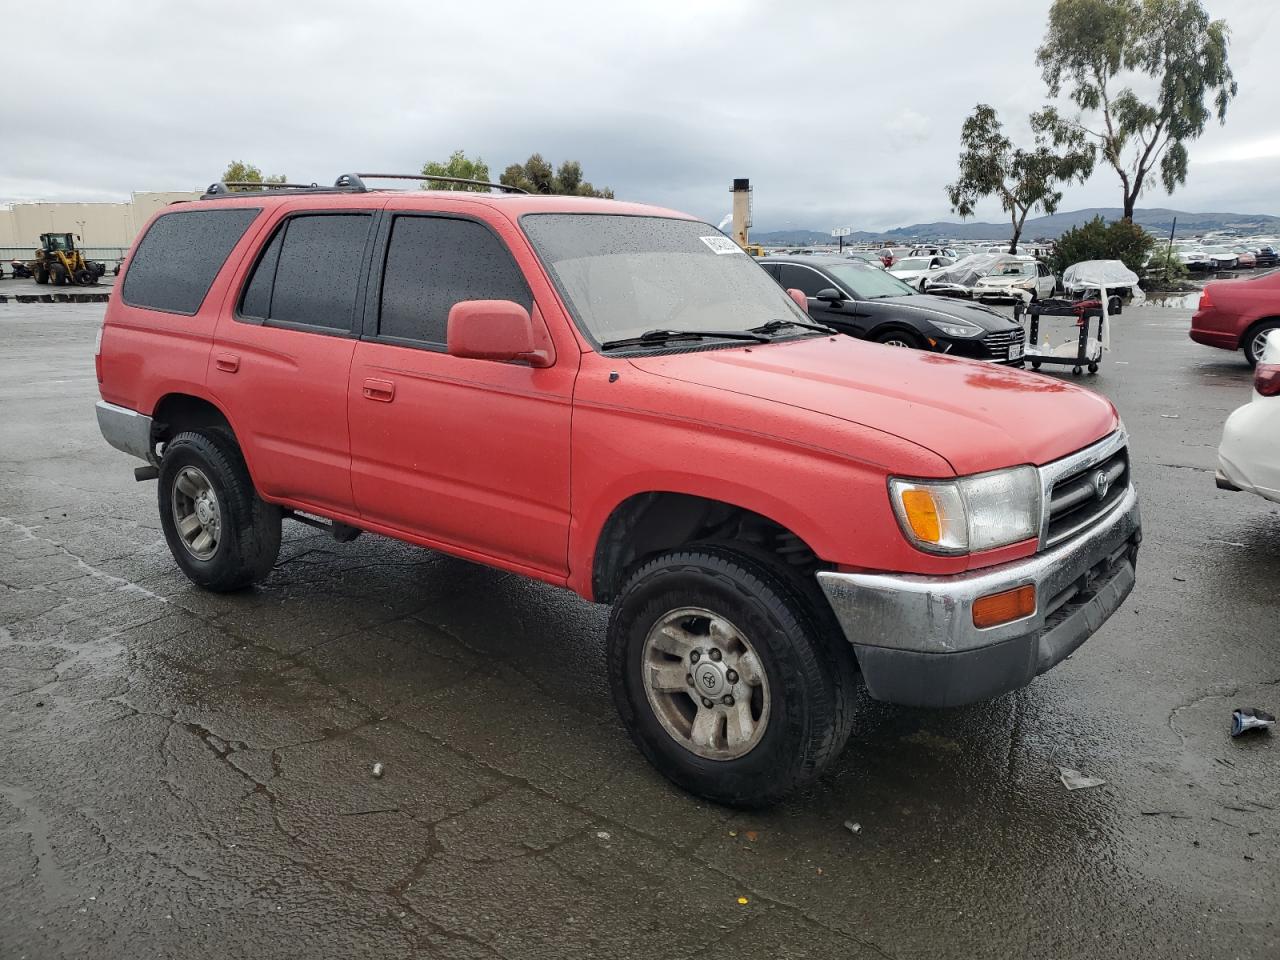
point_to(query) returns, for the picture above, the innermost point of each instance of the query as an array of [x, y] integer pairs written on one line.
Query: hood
[[927, 307], [976, 416]]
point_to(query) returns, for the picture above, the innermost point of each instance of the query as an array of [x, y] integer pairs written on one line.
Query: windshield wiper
[[773, 326], [664, 336]]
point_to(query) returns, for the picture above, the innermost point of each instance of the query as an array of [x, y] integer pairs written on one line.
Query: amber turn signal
[[922, 515], [997, 608]]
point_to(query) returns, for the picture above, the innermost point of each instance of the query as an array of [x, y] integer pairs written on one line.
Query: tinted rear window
[[177, 260], [317, 270]]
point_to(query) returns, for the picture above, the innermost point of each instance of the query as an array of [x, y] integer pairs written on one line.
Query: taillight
[[97, 354], [1206, 302], [1266, 379]]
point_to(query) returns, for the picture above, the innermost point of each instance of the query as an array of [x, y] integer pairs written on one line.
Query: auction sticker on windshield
[[722, 245]]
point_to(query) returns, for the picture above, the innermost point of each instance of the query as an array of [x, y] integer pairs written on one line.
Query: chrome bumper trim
[[925, 614], [126, 430]]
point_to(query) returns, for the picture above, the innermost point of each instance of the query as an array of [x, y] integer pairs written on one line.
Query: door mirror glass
[[830, 294], [798, 296], [498, 330]]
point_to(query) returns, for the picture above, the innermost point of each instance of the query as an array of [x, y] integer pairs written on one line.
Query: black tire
[[1250, 341], [1075, 371], [900, 338], [1093, 368], [58, 275], [83, 278], [1035, 364], [42, 276], [248, 541], [811, 674]]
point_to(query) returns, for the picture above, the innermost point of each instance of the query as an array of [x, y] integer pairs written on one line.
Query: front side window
[[623, 276], [309, 271], [433, 263], [868, 283], [808, 281], [176, 262]]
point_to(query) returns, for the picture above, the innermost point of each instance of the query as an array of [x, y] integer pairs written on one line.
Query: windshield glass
[[868, 283], [1018, 270], [913, 263], [623, 276]]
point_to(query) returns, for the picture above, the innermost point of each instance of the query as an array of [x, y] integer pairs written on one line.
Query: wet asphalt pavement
[[188, 775]]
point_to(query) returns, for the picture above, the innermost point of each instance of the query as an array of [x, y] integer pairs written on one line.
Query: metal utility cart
[[1088, 350]]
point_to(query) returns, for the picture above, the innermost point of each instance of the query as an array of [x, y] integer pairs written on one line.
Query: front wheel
[[724, 676], [220, 532], [900, 338]]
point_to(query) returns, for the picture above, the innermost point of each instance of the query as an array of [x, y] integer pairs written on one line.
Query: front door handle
[[227, 361], [383, 390]]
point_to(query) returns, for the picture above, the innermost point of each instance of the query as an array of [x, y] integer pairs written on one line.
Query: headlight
[[957, 328], [969, 514], [1026, 284]]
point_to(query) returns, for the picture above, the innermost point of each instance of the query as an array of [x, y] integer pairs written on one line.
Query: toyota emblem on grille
[[1101, 484]]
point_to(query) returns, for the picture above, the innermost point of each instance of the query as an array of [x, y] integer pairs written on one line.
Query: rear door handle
[[383, 390], [227, 361]]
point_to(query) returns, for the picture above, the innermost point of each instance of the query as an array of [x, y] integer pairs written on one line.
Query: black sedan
[[868, 303]]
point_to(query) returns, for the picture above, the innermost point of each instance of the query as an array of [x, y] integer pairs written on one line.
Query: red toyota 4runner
[[616, 399]]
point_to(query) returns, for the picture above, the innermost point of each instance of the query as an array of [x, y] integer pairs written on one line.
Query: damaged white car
[[1249, 456]]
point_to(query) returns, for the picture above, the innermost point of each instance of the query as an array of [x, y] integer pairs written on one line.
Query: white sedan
[[1249, 456], [913, 270]]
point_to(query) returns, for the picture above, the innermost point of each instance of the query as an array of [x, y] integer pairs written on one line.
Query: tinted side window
[[802, 278], [178, 259], [432, 263], [257, 295], [317, 269]]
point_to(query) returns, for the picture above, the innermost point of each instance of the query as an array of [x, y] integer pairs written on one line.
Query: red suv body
[[606, 397], [1238, 314]]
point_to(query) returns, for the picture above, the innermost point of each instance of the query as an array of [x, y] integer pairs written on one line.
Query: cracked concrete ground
[[188, 775]]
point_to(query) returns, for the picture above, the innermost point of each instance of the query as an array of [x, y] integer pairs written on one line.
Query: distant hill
[[1158, 220]]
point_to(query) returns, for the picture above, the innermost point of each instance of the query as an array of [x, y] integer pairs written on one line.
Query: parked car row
[[1200, 256]]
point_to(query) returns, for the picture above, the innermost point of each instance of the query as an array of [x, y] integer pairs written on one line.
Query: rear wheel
[[900, 338], [1255, 341], [221, 533], [725, 678], [58, 274]]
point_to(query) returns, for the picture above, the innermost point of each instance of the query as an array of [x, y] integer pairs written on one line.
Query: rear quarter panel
[[148, 353]]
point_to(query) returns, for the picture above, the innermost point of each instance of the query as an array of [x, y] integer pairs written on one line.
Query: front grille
[[998, 344], [1074, 504]]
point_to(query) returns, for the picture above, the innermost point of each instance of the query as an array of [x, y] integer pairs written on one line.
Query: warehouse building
[[106, 230]]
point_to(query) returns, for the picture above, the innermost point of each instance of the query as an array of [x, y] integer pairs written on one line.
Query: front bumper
[[914, 635], [126, 430]]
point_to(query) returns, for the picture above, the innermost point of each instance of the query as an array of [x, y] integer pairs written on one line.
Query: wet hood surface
[[977, 416], [928, 307]]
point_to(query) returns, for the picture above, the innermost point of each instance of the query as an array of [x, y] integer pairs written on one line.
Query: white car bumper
[[1249, 456]]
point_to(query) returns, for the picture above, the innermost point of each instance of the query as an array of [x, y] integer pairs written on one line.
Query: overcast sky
[[839, 112]]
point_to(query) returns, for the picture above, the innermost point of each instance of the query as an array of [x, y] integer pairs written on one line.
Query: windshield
[[913, 263], [868, 283], [624, 276], [1018, 270]]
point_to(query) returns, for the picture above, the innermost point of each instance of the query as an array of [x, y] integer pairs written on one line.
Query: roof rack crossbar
[[360, 177], [222, 188]]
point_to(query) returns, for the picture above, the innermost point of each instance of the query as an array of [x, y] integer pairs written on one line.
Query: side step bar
[[339, 531]]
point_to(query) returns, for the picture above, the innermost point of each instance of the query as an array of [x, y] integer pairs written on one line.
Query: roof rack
[[222, 188], [356, 181], [347, 183]]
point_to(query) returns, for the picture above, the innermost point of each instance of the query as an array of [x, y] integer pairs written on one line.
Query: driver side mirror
[[500, 330], [830, 295], [798, 296]]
